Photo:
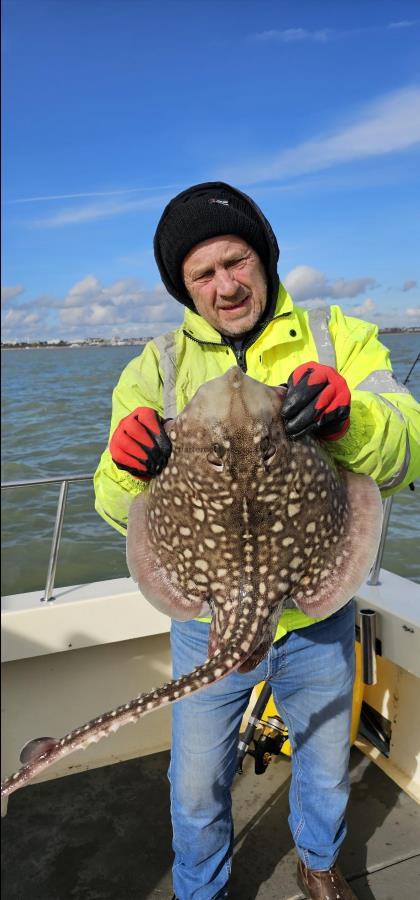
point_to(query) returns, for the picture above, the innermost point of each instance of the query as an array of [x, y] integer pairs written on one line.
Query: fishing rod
[[406, 380]]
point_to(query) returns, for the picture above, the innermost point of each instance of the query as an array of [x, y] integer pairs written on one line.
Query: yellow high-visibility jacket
[[383, 439]]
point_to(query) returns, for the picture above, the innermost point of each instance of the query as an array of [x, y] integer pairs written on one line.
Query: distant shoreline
[[132, 342], [68, 345]]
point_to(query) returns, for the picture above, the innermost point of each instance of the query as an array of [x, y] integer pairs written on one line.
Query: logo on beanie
[[222, 202]]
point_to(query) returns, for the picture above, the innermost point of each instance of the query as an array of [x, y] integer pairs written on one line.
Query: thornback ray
[[240, 520]]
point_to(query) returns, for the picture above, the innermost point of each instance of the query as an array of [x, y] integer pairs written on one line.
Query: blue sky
[[110, 107]]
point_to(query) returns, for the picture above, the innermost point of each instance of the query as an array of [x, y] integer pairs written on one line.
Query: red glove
[[140, 444], [317, 402]]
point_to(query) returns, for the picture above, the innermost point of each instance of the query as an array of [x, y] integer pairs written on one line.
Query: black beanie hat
[[209, 210]]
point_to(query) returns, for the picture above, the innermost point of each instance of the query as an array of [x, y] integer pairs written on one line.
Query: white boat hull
[[96, 646]]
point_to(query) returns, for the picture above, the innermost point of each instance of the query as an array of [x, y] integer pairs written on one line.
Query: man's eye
[[204, 276], [235, 262]]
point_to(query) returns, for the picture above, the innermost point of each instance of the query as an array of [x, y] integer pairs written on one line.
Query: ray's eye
[[267, 448], [215, 457]]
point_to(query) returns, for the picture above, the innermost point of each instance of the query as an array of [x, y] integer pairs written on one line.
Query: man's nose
[[226, 283]]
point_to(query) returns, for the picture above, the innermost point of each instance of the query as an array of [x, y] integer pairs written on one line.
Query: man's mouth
[[235, 306]]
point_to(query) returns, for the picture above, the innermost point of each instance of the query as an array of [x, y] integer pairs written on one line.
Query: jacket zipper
[[240, 355], [200, 340], [241, 358]]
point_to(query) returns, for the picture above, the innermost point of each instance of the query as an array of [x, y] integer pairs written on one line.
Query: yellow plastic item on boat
[[358, 690]]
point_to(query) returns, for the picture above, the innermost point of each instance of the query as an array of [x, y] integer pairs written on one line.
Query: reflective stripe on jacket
[[383, 440]]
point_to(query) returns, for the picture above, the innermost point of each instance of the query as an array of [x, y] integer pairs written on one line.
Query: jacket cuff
[[347, 448], [127, 481]]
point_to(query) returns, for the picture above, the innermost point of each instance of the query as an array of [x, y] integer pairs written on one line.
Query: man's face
[[226, 280]]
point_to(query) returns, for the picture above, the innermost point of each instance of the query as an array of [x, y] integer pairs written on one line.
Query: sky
[[111, 107]]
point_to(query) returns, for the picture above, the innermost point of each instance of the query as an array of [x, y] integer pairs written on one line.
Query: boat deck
[[105, 835]]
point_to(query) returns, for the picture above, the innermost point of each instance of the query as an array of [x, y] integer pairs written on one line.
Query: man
[[217, 255]]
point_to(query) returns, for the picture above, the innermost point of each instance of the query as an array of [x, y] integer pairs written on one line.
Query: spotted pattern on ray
[[239, 520], [250, 504]]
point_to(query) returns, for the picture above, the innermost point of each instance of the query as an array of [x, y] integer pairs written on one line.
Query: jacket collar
[[200, 330]]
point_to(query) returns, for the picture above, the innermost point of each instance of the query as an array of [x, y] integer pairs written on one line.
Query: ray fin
[[152, 579], [363, 536]]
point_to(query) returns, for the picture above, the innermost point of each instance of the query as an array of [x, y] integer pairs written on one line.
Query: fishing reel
[[269, 743], [271, 732]]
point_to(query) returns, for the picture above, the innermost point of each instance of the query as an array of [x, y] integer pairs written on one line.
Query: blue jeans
[[311, 671]]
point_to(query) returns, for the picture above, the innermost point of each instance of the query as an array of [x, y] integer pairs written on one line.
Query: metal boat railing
[[64, 482]]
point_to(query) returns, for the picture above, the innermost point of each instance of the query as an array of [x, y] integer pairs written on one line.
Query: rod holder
[[375, 571], [55, 546], [368, 644]]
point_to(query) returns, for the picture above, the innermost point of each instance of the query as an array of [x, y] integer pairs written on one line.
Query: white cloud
[[126, 290], [20, 318], [127, 309], [77, 215], [291, 35], [388, 125], [315, 303], [322, 35], [8, 294], [306, 283], [123, 303], [390, 318], [83, 291], [367, 308], [404, 23], [46, 301], [409, 285], [49, 197], [124, 307]]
